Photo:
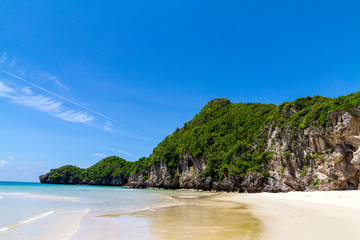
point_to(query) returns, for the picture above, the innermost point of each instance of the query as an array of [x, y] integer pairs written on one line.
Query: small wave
[[147, 209], [113, 215], [14, 193], [14, 225], [74, 226], [41, 196]]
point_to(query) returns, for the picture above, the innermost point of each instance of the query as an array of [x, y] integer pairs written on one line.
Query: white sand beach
[[304, 215], [113, 213]]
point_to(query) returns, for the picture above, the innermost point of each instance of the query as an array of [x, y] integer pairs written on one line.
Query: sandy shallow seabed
[[304, 215], [197, 216]]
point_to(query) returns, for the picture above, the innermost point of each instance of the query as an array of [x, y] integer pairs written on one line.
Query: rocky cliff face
[[304, 157], [317, 158], [324, 159]]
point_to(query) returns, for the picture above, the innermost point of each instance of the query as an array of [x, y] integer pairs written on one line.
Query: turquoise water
[[42, 211], [34, 211]]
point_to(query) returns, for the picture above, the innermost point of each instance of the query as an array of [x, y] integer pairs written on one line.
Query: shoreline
[[296, 215], [304, 215], [187, 213]]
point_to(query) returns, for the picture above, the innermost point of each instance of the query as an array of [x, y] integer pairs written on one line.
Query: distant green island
[[311, 143]]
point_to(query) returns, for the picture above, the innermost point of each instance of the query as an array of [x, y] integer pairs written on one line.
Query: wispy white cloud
[[54, 79], [38, 102], [44, 104], [27, 90], [108, 126], [3, 163], [75, 116], [61, 97], [7, 162], [5, 89], [126, 153], [99, 155], [3, 58], [13, 62], [117, 151]]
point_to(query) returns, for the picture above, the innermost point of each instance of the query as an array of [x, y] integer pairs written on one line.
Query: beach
[[304, 215], [35, 211], [252, 216], [271, 216]]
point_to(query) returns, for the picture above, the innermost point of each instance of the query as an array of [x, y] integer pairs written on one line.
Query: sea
[[37, 211]]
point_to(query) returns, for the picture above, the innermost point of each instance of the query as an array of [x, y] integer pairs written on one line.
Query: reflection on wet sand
[[199, 217]]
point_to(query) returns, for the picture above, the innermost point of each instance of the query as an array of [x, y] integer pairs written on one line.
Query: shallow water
[[202, 218], [38, 211]]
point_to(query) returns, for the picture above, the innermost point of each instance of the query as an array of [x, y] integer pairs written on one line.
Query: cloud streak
[[54, 79], [126, 153], [13, 62], [44, 104], [107, 127], [3, 58], [4, 89], [75, 116], [27, 90], [63, 98], [100, 155], [3, 163]]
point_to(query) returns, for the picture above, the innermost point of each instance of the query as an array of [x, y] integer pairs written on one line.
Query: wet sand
[[202, 217], [265, 216], [193, 216]]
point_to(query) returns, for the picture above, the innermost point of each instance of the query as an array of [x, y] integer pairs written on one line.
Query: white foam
[[14, 225], [14, 193], [73, 232], [64, 225], [41, 196]]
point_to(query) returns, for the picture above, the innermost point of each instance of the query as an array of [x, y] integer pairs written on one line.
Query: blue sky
[[80, 80]]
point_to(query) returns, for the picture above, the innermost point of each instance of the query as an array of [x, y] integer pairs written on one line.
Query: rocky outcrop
[[103, 182], [314, 158], [318, 158]]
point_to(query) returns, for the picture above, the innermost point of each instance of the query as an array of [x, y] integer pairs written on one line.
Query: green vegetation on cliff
[[107, 169], [225, 135], [104, 171], [67, 172], [304, 112], [229, 138]]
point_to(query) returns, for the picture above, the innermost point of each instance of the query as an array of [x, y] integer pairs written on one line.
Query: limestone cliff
[[323, 159], [318, 154]]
